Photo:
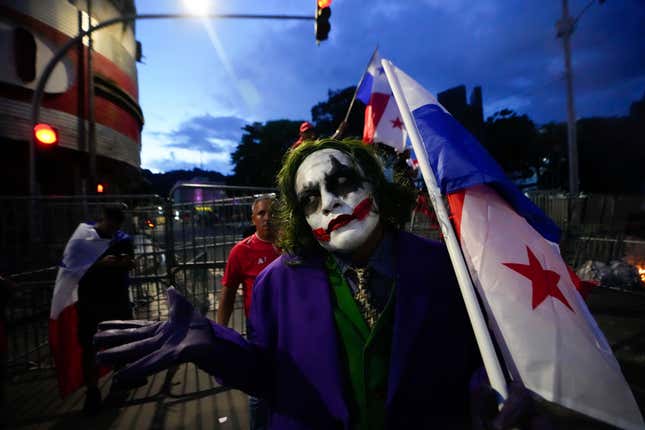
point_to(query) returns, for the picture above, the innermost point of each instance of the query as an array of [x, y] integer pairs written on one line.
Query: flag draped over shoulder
[[383, 122], [545, 331], [82, 250]]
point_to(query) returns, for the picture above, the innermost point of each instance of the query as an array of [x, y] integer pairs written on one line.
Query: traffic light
[[323, 12], [100, 188], [46, 153], [46, 135]]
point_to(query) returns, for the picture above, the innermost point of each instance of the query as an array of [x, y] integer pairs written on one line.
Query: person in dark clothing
[[103, 295]]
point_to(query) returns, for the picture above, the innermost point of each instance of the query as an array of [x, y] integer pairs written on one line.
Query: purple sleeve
[[238, 363], [250, 365]]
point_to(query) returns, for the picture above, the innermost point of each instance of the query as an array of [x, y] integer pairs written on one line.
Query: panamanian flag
[[383, 123], [547, 336], [82, 250]]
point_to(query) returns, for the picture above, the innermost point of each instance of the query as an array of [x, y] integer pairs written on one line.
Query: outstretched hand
[[146, 347]]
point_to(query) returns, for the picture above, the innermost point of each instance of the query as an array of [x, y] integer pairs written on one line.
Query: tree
[[611, 155], [328, 115], [258, 157], [511, 140], [552, 175]]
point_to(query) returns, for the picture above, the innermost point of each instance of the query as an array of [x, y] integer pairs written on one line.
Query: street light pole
[[565, 28], [49, 68], [90, 101]]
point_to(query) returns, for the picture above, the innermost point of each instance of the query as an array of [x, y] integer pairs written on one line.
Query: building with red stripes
[[31, 31]]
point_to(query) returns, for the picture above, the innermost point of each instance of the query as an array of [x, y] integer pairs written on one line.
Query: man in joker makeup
[[359, 325]]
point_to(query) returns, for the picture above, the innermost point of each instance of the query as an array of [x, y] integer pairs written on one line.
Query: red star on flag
[[396, 123], [544, 282]]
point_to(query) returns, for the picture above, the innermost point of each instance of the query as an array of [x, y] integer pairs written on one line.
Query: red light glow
[[45, 134]]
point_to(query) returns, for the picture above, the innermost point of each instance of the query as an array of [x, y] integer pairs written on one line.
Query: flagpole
[[482, 335], [343, 123]]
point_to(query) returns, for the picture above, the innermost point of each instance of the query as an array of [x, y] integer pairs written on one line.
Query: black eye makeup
[[342, 179], [309, 199]]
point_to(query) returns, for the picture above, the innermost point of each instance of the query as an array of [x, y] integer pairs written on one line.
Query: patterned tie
[[362, 294]]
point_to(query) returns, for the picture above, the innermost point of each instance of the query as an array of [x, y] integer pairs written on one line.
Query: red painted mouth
[[339, 222], [360, 212]]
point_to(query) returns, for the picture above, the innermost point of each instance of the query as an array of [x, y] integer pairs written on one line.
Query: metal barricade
[[204, 223], [33, 234], [183, 242], [423, 221], [595, 226]]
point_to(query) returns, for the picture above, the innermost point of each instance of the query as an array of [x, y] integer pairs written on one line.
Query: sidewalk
[[184, 399]]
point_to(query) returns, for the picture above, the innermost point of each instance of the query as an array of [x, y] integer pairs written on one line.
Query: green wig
[[394, 201]]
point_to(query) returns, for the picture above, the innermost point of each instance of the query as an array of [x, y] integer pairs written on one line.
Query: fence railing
[[596, 226], [182, 242], [185, 242]]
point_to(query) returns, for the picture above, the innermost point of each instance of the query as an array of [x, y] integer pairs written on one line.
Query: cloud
[[386, 10], [202, 141], [207, 133], [165, 165], [516, 103]]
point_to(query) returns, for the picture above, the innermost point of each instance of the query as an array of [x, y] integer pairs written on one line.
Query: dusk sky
[[201, 81]]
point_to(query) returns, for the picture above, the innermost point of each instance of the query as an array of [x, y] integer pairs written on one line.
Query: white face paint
[[336, 199]]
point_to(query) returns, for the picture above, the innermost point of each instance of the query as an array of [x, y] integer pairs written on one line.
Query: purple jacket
[[295, 361]]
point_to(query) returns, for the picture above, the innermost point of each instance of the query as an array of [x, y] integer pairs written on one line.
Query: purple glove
[[518, 410], [146, 347]]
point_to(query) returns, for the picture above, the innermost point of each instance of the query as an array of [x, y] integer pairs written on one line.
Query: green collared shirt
[[366, 353]]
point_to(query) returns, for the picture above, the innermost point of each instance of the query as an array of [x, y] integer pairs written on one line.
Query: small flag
[[383, 123]]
